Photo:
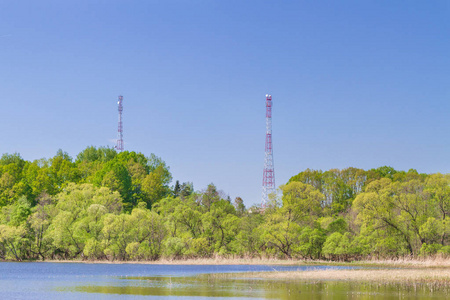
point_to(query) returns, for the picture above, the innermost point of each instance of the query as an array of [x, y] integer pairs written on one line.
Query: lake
[[144, 281]]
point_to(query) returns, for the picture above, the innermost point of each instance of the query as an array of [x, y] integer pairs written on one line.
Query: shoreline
[[406, 263], [433, 273]]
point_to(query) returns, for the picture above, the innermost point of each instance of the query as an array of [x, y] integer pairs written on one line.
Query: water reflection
[[75, 281], [212, 285]]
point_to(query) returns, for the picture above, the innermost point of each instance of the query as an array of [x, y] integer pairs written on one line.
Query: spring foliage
[[119, 206]]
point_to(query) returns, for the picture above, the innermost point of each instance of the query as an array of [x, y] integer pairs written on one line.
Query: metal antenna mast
[[268, 174], [119, 146]]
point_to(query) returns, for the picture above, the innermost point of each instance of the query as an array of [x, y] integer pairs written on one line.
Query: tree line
[[105, 205]]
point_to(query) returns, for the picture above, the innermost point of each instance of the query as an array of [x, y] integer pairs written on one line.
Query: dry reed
[[405, 262], [374, 275]]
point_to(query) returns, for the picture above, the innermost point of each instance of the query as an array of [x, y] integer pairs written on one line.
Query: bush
[[431, 249], [445, 250], [199, 248], [174, 247]]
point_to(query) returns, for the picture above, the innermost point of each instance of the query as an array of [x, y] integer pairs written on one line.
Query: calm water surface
[[133, 281]]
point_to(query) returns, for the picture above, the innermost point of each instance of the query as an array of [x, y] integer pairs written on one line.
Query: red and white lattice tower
[[119, 145], [269, 173]]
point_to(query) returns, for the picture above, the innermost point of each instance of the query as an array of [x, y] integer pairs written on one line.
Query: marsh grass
[[403, 262], [421, 279], [379, 275], [198, 261], [413, 262]]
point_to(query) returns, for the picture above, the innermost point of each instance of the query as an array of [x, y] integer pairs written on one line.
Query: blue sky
[[354, 83]]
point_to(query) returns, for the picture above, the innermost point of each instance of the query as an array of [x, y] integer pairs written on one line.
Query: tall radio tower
[[119, 145], [269, 174]]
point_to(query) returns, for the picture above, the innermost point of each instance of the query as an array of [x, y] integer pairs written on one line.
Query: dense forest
[[120, 206]]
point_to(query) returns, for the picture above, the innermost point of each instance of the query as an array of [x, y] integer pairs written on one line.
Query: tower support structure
[[269, 172], [119, 144]]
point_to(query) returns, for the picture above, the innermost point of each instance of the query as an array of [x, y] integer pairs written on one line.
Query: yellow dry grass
[[431, 262], [195, 261], [374, 275]]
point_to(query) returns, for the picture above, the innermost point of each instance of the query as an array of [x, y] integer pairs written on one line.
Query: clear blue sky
[[354, 83]]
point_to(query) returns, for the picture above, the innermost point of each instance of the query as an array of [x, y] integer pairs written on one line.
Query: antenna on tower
[[269, 173], [119, 145]]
